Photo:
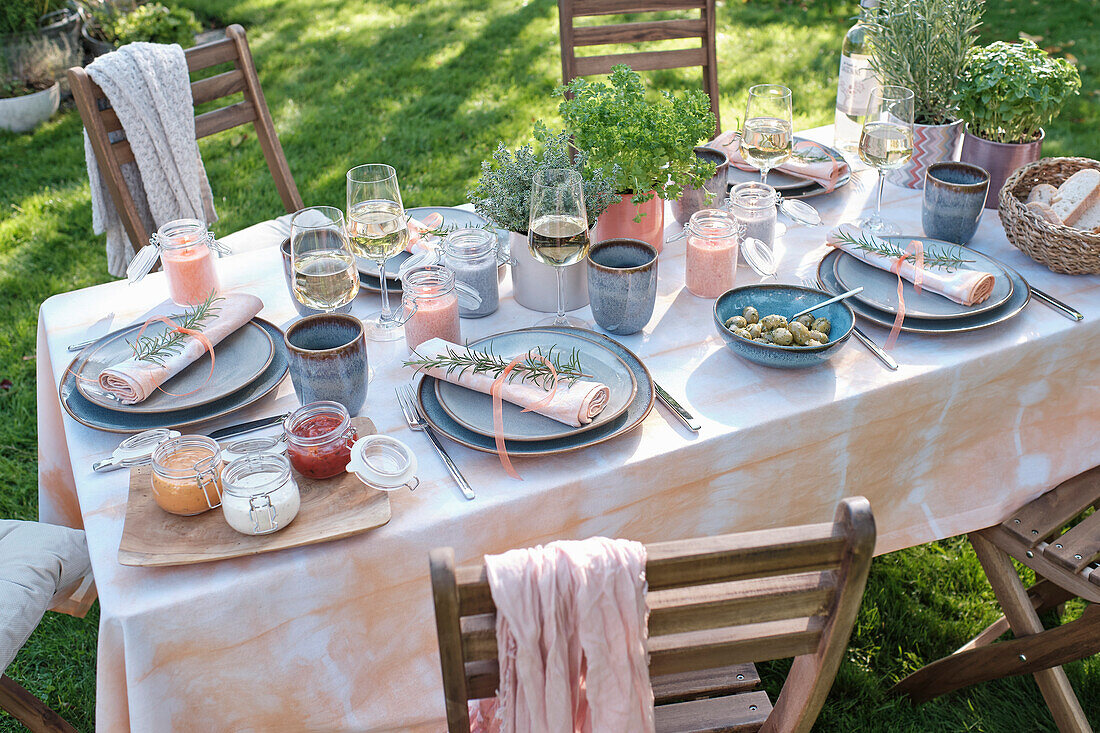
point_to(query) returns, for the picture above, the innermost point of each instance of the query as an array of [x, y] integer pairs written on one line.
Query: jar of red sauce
[[319, 437]]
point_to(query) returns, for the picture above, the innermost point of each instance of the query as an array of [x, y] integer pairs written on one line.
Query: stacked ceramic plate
[[248, 364], [466, 416], [792, 186], [452, 219], [925, 312]]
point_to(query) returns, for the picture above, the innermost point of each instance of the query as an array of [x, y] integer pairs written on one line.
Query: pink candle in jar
[[188, 261], [430, 295], [712, 248]]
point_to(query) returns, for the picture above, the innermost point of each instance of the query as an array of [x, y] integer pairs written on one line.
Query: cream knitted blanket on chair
[[150, 91]]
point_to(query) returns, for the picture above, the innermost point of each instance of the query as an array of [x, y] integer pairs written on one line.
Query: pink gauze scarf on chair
[[571, 629]]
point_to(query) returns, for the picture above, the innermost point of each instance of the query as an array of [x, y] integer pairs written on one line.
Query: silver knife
[[1050, 300], [668, 401], [247, 427]]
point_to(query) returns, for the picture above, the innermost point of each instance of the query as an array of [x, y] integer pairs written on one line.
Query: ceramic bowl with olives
[[753, 321]]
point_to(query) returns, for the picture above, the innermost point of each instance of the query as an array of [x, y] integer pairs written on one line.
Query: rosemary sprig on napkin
[[532, 369], [158, 348], [933, 256]]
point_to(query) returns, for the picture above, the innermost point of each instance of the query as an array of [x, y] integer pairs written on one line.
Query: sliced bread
[[1044, 193], [1044, 211], [1079, 193], [1090, 219]]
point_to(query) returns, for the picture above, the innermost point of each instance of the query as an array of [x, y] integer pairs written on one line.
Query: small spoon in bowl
[[824, 303]]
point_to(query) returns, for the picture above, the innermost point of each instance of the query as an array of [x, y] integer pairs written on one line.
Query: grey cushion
[[36, 562], [268, 233]]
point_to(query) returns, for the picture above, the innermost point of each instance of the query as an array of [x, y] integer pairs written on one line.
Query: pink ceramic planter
[[617, 222]]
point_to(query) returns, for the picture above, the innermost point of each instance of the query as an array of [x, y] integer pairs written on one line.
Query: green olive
[[755, 330], [812, 342], [750, 314], [737, 322], [773, 321], [782, 337], [819, 336], [823, 325], [806, 320], [742, 333], [800, 332]]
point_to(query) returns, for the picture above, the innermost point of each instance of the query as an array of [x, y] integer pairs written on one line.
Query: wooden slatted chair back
[[702, 28], [100, 121], [713, 602]]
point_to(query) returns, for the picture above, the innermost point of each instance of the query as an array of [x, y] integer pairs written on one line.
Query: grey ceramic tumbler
[[328, 359], [954, 197], [622, 284]]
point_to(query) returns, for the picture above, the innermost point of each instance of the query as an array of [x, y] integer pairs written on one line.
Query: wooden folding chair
[[1066, 567], [702, 28], [100, 121], [716, 605]]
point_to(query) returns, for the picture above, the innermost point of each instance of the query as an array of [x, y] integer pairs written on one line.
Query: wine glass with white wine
[[558, 234], [886, 143], [379, 230], [325, 277], [767, 137]]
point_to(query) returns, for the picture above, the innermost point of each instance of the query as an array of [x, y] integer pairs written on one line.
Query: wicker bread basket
[[1059, 247]]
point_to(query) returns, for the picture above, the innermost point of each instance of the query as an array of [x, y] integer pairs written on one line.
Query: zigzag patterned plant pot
[[931, 144]]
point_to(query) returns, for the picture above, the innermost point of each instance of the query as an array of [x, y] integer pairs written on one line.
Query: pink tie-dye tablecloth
[[340, 636]]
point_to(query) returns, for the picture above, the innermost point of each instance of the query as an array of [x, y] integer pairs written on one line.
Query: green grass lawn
[[431, 86]]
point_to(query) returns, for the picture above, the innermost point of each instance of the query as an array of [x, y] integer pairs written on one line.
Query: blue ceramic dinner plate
[[635, 412], [452, 217], [474, 410], [94, 416], [1021, 294], [880, 287], [792, 187]]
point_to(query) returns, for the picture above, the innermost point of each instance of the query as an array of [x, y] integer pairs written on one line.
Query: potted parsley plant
[[644, 145]]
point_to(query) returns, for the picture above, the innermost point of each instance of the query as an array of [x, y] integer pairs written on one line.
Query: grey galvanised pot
[[1000, 159]]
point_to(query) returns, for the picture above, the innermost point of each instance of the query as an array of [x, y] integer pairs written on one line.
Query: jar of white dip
[[259, 494]]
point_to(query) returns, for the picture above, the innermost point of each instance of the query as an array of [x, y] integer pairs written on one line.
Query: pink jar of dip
[[712, 248], [429, 293]]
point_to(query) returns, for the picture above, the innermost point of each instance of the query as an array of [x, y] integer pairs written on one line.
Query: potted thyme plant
[[503, 196], [646, 146], [29, 88], [922, 45], [1007, 92]]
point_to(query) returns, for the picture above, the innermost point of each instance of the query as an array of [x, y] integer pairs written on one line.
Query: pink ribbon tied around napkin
[[197, 335], [729, 143], [418, 229], [915, 248], [498, 406]]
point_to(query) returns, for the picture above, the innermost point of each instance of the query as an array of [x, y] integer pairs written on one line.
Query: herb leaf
[[157, 349], [532, 369]]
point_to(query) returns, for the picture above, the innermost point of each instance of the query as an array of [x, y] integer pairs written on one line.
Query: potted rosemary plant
[[922, 45], [503, 196], [1007, 92], [645, 146]]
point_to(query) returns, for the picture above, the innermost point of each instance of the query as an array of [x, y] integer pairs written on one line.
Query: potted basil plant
[[1007, 92], [645, 146], [503, 196], [922, 45]]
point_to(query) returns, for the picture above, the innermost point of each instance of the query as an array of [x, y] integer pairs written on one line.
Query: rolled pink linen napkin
[[825, 172], [574, 404], [418, 240], [966, 287], [133, 380], [571, 639]]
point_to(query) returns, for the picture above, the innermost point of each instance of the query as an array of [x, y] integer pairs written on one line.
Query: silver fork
[[416, 422], [863, 338]]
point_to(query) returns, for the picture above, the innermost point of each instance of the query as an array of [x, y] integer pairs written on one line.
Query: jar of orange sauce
[[187, 475]]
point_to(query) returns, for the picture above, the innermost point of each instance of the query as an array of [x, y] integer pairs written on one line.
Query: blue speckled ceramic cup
[[954, 196], [328, 359], [622, 284]]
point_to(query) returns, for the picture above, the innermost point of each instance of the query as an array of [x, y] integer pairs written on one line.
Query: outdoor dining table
[[340, 635]]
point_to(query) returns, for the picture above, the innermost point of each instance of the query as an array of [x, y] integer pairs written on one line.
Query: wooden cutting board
[[331, 509]]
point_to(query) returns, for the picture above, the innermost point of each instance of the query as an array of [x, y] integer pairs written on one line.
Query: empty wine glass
[[767, 136], [558, 234], [886, 143], [325, 277], [379, 230]]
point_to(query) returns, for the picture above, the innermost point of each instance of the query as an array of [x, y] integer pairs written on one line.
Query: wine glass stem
[[386, 314], [561, 295], [764, 175], [878, 199]]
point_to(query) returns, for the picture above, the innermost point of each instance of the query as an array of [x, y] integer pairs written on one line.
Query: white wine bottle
[[857, 79]]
